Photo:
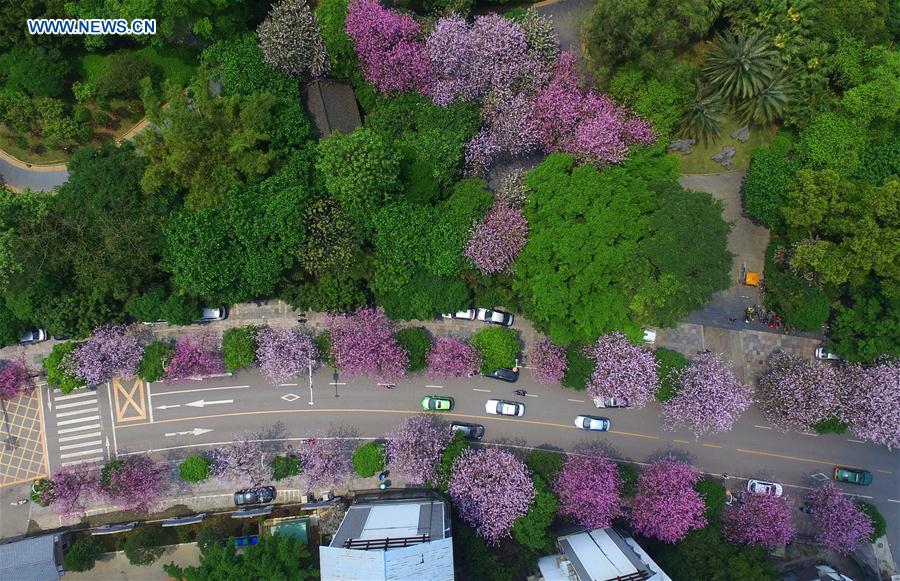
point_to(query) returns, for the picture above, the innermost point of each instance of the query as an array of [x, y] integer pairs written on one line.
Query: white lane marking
[[150, 401], [75, 395], [857, 495], [85, 461], [78, 429], [82, 453], [112, 421], [79, 437], [336, 383], [162, 393], [165, 407], [808, 434], [93, 410], [577, 400], [436, 386], [483, 390], [81, 445], [287, 385], [531, 395], [194, 432], [892, 500], [78, 421], [856, 441], [201, 403], [762, 427], [76, 404]]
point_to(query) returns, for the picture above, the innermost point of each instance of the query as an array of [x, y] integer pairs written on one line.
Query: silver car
[[826, 355], [33, 336], [208, 314], [467, 315], [495, 317], [593, 423]]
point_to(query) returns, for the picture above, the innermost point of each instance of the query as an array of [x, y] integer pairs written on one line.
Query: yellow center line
[[711, 446], [681, 441], [797, 458]]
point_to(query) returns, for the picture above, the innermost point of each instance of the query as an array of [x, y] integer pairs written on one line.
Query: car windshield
[[586, 422]]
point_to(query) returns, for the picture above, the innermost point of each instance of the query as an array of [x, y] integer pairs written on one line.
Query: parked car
[[826, 355], [501, 407], [495, 317], [208, 314], [437, 403], [649, 336], [467, 315], [33, 336], [612, 402], [260, 495], [593, 423], [852, 475], [469, 431], [763, 487], [504, 374]]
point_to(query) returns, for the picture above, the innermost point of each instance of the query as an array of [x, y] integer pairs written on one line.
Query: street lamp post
[[310, 384]]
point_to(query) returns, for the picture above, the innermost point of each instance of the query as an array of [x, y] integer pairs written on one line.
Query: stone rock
[[724, 157], [742, 134], [682, 145]]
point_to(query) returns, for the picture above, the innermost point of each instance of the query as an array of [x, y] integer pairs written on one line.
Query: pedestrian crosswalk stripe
[[82, 453], [78, 420], [82, 445], [74, 396], [80, 437], [76, 403], [79, 428], [92, 410]]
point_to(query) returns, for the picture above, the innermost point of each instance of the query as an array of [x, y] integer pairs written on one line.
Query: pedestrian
[[733, 320], [725, 476]]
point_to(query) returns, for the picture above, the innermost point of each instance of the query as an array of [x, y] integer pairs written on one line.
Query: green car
[[853, 476], [437, 403]]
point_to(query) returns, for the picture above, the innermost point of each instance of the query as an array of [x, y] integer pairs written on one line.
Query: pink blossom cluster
[[241, 461], [871, 402], [666, 506], [452, 357], [795, 393], [710, 398], [390, 54], [414, 447], [326, 462], [195, 356], [135, 483], [589, 490], [547, 361], [622, 370], [111, 351], [763, 519], [842, 525], [15, 379], [363, 343], [497, 239], [284, 353], [490, 489], [72, 488], [509, 130]]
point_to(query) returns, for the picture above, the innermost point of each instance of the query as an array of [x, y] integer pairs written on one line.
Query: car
[[437, 403], [33, 336], [612, 402], [649, 336], [593, 423], [826, 355], [852, 475], [260, 495], [495, 317], [505, 374], [467, 315], [469, 431], [501, 407], [764, 487], [208, 314]]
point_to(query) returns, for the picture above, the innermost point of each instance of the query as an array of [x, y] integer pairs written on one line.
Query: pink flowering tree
[[589, 490], [842, 525], [135, 483], [547, 361], [363, 343], [112, 350], [622, 369], [763, 519], [871, 402], [72, 488], [15, 379], [387, 45], [414, 447], [666, 506], [509, 130], [795, 394], [452, 357], [497, 239], [326, 461], [490, 488], [284, 353], [195, 356], [241, 461], [710, 399]]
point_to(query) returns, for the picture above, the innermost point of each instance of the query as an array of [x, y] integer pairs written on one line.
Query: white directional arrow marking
[[200, 403], [165, 407], [194, 432]]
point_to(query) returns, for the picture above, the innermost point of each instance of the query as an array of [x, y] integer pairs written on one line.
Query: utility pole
[[310, 384]]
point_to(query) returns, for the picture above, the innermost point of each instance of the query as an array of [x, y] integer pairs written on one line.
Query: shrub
[[454, 450], [668, 362], [82, 555], [323, 346], [239, 347], [831, 425], [60, 368], [417, 343], [195, 468], [142, 547], [154, 361], [122, 73], [285, 467], [42, 492], [579, 369], [879, 525], [497, 347], [768, 180], [713, 495], [545, 463], [368, 459], [628, 474]]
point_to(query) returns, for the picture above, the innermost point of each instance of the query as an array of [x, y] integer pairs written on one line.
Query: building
[[600, 555], [33, 559], [332, 106], [391, 539]]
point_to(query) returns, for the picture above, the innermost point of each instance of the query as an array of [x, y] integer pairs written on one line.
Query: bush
[[713, 495], [579, 369], [768, 180], [830, 426], [545, 463], [155, 359], [239, 347], [661, 104], [323, 346], [629, 474], [369, 459], [879, 525], [802, 305], [142, 547], [82, 555], [195, 468], [454, 449], [332, 17], [285, 467], [122, 73], [833, 141], [668, 362], [497, 347], [60, 372], [41, 492], [417, 343]]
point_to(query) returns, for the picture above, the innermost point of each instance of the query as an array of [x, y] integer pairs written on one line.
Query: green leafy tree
[[37, 70], [82, 555], [239, 347], [194, 468], [713, 495], [833, 140], [154, 361], [60, 368], [531, 529], [368, 459], [768, 180], [328, 246], [122, 73], [866, 325], [579, 368], [285, 467], [705, 554], [417, 343], [668, 364], [497, 348], [703, 118], [143, 546], [740, 66], [332, 16], [629, 474], [323, 346], [661, 104], [801, 304], [454, 449], [545, 463], [879, 524]]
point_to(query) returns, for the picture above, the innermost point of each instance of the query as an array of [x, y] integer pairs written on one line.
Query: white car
[[826, 355], [208, 314], [501, 407], [495, 317], [763, 487], [649, 336], [33, 336], [592, 423], [468, 315], [612, 402]]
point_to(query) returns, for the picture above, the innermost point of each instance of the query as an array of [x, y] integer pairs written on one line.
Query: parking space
[[23, 455]]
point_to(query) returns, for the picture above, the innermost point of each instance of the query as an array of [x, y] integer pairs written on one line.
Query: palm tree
[[740, 67], [704, 118], [768, 105]]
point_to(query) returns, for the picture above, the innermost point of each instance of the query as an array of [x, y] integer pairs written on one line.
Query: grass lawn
[[699, 161]]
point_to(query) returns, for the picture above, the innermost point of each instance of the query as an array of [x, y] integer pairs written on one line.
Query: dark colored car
[[852, 475], [504, 374], [261, 495], [469, 431]]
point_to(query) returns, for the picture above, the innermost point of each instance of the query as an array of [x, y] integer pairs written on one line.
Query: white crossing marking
[[531, 395], [577, 400], [76, 404], [78, 412], [287, 385], [856, 441], [82, 453], [80, 437], [75, 395], [85, 461], [79, 428], [81, 445], [762, 427], [484, 390], [436, 386], [78, 421]]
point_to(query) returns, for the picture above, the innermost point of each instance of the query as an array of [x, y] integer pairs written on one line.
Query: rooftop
[[333, 106], [600, 555], [31, 559]]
